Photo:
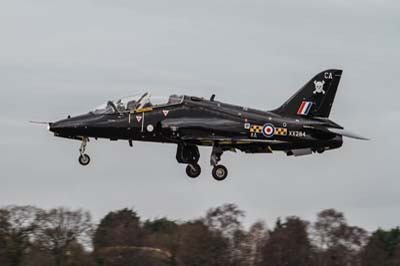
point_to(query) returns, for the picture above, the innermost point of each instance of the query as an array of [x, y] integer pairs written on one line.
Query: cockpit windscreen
[[137, 102]]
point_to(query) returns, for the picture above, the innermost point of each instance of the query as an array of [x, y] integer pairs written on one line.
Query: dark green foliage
[[199, 246], [390, 239], [278, 224], [383, 249], [162, 234], [120, 228], [162, 225], [288, 245]]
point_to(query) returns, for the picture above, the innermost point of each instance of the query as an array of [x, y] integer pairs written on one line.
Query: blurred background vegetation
[[30, 236]]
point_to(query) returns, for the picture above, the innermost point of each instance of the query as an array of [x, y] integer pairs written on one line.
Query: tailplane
[[314, 99]]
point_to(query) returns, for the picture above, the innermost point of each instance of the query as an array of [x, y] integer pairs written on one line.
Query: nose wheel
[[84, 159]]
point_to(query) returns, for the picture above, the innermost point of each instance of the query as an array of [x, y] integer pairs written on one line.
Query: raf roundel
[[268, 130], [150, 128]]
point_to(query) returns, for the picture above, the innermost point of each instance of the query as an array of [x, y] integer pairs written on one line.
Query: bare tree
[[337, 243], [226, 219], [17, 225], [257, 238], [326, 227], [60, 228]]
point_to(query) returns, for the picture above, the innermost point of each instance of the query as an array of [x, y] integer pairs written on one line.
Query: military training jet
[[301, 126]]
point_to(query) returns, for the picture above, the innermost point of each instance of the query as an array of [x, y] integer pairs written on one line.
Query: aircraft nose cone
[[65, 127], [57, 127], [72, 126]]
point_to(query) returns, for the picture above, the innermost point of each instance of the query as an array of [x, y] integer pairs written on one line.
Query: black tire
[[84, 159], [220, 172], [193, 170]]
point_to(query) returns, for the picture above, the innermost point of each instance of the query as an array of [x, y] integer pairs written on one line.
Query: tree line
[[30, 236]]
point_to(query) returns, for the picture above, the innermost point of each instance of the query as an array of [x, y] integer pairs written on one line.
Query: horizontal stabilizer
[[346, 133]]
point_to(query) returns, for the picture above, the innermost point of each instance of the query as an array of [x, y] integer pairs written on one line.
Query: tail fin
[[315, 99]]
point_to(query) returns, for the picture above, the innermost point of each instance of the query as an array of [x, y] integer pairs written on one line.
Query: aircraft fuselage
[[207, 118]]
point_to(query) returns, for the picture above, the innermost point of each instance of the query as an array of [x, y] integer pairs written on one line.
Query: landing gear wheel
[[193, 170], [220, 172], [84, 159]]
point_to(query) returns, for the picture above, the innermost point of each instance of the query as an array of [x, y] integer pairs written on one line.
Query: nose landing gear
[[84, 159]]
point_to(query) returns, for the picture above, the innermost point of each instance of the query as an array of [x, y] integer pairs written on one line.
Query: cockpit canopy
[[136, 102]]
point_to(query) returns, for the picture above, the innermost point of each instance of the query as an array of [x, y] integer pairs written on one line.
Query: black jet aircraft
[[301, 126]]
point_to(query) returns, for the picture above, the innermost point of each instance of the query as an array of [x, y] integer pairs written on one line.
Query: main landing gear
[[219, 172], [190, 155], [193, 170], [84, 159]]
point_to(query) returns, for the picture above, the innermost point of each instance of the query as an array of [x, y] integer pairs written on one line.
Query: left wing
[[206, 126], [213, 124], [226, 140]]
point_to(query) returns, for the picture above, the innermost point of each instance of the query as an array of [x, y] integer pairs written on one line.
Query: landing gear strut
[[190, 155], [219, 172], [84, 159]]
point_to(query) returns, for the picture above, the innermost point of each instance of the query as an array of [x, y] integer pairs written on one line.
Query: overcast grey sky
[[66, 57]]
